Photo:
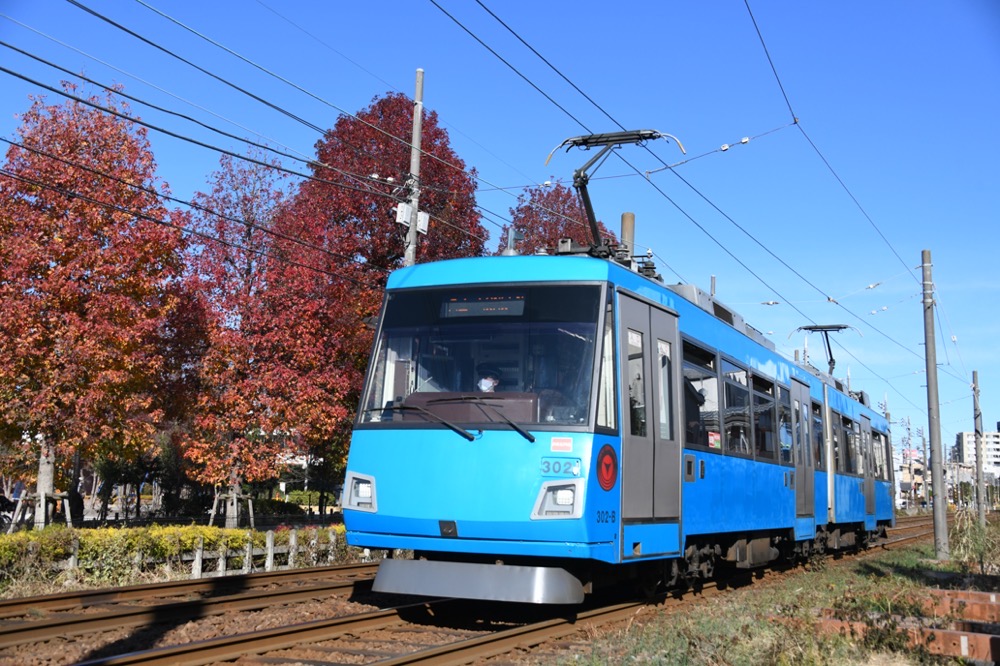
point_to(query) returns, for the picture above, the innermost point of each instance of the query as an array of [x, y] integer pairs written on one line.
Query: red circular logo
[[607, 467]]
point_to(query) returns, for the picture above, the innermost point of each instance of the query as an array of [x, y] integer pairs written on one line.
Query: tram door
[[651, 449], [868, 464], [805, 480]]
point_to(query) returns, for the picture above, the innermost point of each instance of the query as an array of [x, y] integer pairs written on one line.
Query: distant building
[[912, 478], [965, 452]]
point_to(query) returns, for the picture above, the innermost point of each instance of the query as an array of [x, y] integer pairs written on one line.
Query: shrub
[[274, 507]]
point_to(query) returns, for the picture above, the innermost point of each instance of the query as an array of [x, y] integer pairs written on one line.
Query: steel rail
[[18, 633], [87, 598], [231, 647]]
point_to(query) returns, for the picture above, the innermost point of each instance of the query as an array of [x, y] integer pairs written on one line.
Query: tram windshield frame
[[434, 345]]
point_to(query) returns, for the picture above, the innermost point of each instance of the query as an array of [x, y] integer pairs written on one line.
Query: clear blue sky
[[897, 104]]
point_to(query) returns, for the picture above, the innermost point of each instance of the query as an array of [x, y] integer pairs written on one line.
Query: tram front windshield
[[482, 355]]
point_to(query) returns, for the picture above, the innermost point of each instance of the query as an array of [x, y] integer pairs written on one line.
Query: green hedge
[[118, 556]]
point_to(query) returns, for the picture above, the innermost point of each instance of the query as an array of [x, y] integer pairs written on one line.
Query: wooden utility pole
[[410, 257], [977, 420], [933, 416]]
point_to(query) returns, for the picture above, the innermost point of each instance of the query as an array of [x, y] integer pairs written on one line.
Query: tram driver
[[489, 378]]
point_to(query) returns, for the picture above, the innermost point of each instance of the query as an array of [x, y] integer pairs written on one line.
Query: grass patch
[[776, 622]]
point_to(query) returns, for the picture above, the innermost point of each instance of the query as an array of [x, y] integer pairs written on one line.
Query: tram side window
[[636, 384], [665, 366], [606, 383], [765, 424], [817, 436], [880, 447], [866, 460], [878, 455], [850, 447], [837, 432], [785, 424], [701, 399], [737, 409]]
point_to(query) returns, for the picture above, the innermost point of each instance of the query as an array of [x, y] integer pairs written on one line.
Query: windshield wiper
[[416, 408], [480, 402]]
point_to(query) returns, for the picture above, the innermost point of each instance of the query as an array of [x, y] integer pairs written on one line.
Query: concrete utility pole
[[933, 416], [977, 416], [418, 118]]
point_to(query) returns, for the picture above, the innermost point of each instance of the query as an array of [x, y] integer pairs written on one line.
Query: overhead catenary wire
[[661, 192], [788, 103], [795, 121]]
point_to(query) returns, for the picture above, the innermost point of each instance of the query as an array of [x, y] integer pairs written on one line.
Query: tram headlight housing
[[359, 492], [559, 500]]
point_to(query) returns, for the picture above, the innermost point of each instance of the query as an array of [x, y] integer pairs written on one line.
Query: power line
[[147, 83], [661, 192], [182, 116], [313, 163], [263, 69], [512, 68], [261, 99], [392, 87], [218, 78], [179, 227], [190, 204], [822, 157], [188, 139]]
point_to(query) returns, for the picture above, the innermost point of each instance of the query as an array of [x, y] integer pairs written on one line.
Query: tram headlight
[[564, 497], [559, 499], [360, 492]]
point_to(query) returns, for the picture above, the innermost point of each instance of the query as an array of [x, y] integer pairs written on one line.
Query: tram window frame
[[851, 432], [764, 404], [638, 401], [736, 387], [699, 369], [878, 457], [606, 415], [664, 372], [818, 436], [879, 445], [837, 436], [785, 434]]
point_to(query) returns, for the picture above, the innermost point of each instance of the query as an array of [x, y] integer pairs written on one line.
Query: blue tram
[[638, 430]]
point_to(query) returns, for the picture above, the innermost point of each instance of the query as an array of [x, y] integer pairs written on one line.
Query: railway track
[[34, 607], [68, 617], [439, 631]]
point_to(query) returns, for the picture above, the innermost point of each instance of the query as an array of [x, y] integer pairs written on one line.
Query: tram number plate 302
[[560, 467]]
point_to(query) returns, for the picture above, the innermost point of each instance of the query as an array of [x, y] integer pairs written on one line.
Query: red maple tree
[[546, 213], [346, 198], [87, 257], [322, 304], [236, 433]]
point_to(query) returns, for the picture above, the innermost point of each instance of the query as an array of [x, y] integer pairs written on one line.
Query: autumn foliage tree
[[325, 301], [360, 210], [87, 259], [236, 432], [545, 214]]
